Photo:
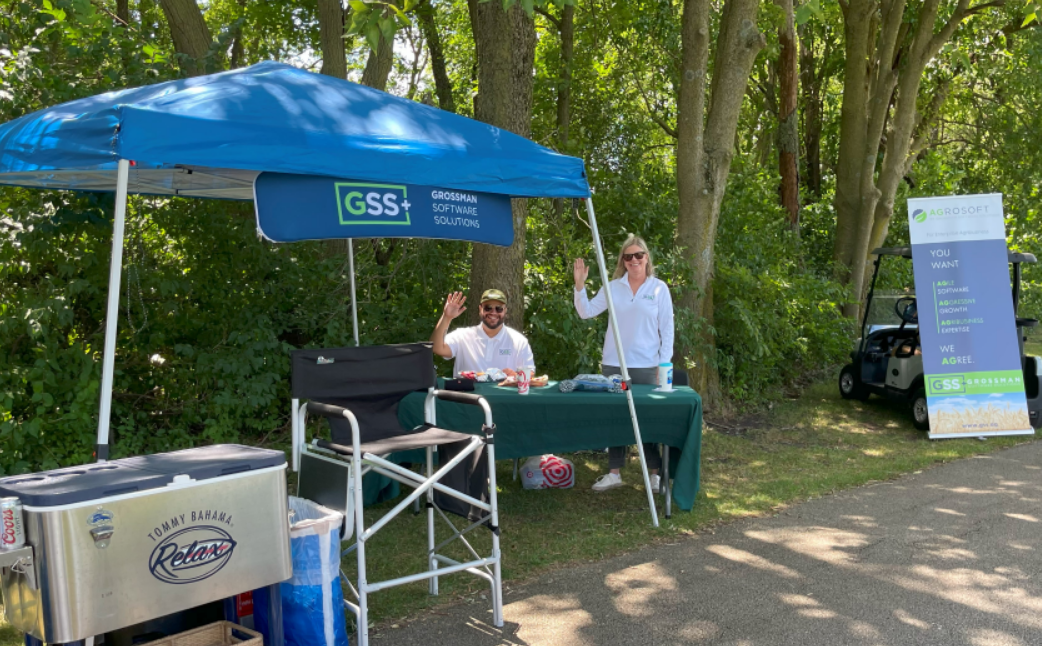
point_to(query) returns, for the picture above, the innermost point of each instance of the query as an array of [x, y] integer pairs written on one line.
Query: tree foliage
[[208, 312]]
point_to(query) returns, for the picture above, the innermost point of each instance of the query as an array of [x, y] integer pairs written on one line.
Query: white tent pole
[[606, 286], [112, 315], [354, 302]]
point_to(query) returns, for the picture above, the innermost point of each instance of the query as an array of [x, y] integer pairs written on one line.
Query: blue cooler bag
[[312, 601]]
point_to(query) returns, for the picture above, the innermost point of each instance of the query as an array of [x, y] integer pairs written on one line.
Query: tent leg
[[112, 314], [622, 359], [354, 301]]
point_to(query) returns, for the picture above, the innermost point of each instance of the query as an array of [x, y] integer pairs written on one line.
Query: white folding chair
[[358, 391]]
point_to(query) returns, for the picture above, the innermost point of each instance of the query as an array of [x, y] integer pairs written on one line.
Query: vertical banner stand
[[974, 380], [112, 315], [606, 286]]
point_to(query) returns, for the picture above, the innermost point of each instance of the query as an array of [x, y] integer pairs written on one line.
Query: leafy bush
[[775, 318]]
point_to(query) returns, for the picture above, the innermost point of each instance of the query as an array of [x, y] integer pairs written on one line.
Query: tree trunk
[[123, 11], [442, 83], [334, 63], [238, 49], [190, 34], [378, 65], [331, 38], [504, 42], [788, 132], [810, 84], [705, 146], [564, 88], [145, 10], [866, 190], [564, 84], [853, 140]]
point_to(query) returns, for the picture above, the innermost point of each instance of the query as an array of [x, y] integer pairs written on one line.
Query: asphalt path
[[949, 556]]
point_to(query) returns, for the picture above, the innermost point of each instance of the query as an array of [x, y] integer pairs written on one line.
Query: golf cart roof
[[906, 252]]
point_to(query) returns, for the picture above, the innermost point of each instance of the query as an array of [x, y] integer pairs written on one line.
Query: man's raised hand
[[454, 305]]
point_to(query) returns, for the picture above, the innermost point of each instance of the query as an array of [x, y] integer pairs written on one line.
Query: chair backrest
[[680, 378], [368, 380]]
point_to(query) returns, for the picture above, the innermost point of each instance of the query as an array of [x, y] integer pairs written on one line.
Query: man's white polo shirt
[[475, 350]]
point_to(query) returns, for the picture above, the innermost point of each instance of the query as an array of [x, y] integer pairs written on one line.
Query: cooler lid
[[77, 484], [140, 473], [206, 462]]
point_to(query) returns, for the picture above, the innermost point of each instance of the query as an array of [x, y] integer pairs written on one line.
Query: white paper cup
[[665, 376]]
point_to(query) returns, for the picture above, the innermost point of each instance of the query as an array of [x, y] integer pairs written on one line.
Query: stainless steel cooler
[[118, 543]]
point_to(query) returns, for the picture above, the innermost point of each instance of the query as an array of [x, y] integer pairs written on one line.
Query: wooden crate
[[219, 633]]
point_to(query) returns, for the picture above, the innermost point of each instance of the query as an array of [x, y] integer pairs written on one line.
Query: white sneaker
[[656, 483], [607, 481]]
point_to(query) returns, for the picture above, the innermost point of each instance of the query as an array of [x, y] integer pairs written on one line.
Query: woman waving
[[644, 310]]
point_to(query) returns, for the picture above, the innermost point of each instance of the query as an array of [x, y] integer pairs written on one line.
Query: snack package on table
[[535, 382], [547, 472], [592, 383], [495, 374]]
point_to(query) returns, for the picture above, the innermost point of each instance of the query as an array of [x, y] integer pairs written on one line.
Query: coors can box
[[13, 535]]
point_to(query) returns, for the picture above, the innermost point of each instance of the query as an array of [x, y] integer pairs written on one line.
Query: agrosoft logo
[[361, 203], [920, 215]]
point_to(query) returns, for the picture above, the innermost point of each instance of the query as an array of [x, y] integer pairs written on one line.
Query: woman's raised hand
[[581, 272], [454, 305]]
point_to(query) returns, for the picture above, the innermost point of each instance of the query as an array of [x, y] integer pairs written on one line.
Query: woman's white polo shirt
[[645, 321]]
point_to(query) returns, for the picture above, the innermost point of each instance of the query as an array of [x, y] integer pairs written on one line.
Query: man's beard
[[492, 326]]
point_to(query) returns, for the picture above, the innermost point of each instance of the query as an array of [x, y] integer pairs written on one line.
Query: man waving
[[488, 345]]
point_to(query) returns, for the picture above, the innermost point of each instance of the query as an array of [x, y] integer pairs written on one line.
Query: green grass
[[751, 466], [9, 636], [1033, 346]]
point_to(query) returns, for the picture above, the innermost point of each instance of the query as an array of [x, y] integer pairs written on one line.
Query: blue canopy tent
[[212, 136]]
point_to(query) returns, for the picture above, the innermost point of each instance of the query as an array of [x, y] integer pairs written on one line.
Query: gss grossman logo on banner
[[363, 203]]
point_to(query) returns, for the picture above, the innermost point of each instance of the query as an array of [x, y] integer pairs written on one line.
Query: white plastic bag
[[547, 472], [312, 601]]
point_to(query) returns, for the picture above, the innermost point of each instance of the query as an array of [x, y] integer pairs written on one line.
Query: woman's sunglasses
[[498, 308], [630, 256]]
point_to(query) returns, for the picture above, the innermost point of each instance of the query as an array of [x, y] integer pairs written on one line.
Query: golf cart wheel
[[920, 412], [850, 386]]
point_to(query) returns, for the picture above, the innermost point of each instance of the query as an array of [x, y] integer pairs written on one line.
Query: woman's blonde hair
[[620, 267]]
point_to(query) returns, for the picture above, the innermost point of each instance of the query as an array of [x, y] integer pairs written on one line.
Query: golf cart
[[888, 358]]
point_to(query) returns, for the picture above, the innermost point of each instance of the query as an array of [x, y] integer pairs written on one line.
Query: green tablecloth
[[549, 421]]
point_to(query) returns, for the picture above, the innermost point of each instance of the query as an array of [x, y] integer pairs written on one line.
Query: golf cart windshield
[[882, 312]]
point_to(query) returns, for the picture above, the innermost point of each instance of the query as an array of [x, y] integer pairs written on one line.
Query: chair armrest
[[334, 412], [459, 397], [467, 398], [327, 410], [334, 447]]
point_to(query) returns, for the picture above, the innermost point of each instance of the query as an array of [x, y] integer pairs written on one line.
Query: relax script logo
[[363, 203], [191, 554]]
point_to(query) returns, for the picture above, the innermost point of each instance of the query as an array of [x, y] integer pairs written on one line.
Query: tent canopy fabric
[[210, 136]]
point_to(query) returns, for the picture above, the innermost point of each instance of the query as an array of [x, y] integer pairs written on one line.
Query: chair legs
[[432, 560], [363, 595], [487, 568], [424, 486], [497, 577]]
